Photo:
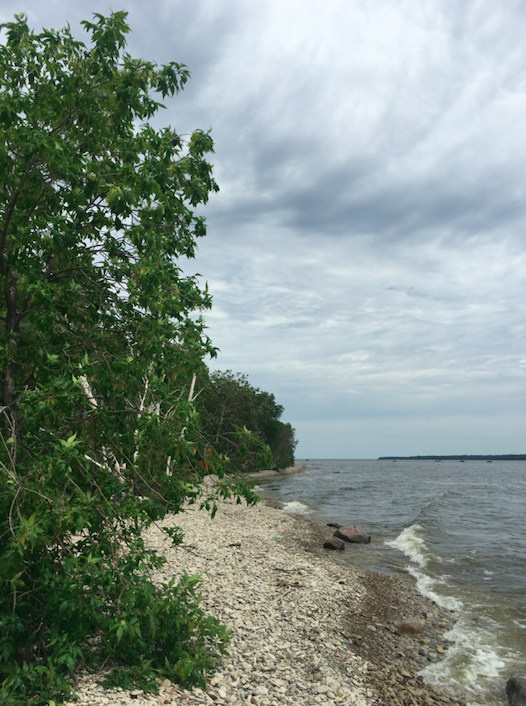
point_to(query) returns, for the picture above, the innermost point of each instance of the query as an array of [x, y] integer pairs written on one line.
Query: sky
[[366, 252]]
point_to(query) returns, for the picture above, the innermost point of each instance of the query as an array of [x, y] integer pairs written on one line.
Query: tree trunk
[[9, 387]]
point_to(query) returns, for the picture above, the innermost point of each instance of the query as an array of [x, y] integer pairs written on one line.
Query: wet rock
[[334, 543], [409, 627], [352, 534], [516, 691]]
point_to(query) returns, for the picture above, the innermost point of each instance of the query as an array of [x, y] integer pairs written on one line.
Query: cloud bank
[[366, 251]]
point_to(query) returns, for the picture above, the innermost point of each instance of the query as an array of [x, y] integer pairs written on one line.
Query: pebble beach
[[306, 629]]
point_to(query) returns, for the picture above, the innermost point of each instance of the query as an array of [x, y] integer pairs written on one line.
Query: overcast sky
[[367, 250]]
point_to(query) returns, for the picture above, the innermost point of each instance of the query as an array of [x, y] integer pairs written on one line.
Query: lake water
[[458, 529]]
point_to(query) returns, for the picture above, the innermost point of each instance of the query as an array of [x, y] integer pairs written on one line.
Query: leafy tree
[[227, 404], [101, 335]]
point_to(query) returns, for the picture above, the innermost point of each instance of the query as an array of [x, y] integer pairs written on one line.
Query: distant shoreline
[[501, 457], [269, 474]]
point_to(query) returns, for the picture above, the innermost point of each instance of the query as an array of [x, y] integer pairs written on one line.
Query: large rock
[[409, 627], [351, 534], [516, 691], [334, 543]]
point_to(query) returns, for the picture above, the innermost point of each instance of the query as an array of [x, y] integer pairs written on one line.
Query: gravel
[[306, 630]]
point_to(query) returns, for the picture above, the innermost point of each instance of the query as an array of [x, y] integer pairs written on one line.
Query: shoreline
[[306, 630], [271, 474]]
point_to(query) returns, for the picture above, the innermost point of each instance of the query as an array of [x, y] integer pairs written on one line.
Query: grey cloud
[[366, 251]]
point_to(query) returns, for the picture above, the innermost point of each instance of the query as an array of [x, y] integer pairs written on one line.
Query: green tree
[[101, 335], [228, 403]]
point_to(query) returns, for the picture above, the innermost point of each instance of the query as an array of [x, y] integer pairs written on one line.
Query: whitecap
[[428, 587], [473, 657], [297, 507], [410, 544]]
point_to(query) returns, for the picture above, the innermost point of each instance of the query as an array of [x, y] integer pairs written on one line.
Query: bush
[[102, 335]]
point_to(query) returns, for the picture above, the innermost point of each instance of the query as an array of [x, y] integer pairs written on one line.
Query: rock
[[516, 691], [333, 524], [351, 534], [409, 627], [334, 543]]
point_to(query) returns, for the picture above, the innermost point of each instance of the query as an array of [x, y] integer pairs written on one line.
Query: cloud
[[366, 251]]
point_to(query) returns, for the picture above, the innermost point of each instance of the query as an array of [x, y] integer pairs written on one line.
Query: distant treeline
[[501, 457], [227, 403]]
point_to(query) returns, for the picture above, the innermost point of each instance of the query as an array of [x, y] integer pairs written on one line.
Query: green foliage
[[227, 404], [101, 335]]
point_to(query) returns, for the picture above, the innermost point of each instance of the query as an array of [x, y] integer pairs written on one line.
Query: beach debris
[[353, 535], [334, 543], [409, 627], [516, 691]]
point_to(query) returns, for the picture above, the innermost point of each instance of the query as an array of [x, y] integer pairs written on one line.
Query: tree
[[101, 335], [227, 404]]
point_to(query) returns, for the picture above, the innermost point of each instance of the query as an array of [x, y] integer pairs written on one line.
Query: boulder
[[351, 534], [516, 691], [334, 543], [409, 627]]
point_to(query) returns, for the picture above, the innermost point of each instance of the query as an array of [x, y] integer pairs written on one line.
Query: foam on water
[[474, 659], [413, 546], [430, 587], [297, 507], [410, 544]]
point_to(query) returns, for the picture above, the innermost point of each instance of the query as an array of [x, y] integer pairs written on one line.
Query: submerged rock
[[516, 691]]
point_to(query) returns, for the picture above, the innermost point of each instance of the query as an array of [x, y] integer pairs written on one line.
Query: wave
[[474, 658], [297, 507], [410, 544]]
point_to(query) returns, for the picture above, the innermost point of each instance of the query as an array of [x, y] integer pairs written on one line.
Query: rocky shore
[[306, 630]]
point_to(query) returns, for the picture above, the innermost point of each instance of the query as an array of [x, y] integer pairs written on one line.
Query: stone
[[353, 535], [334, 543], [409, 627], [516, 691]]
